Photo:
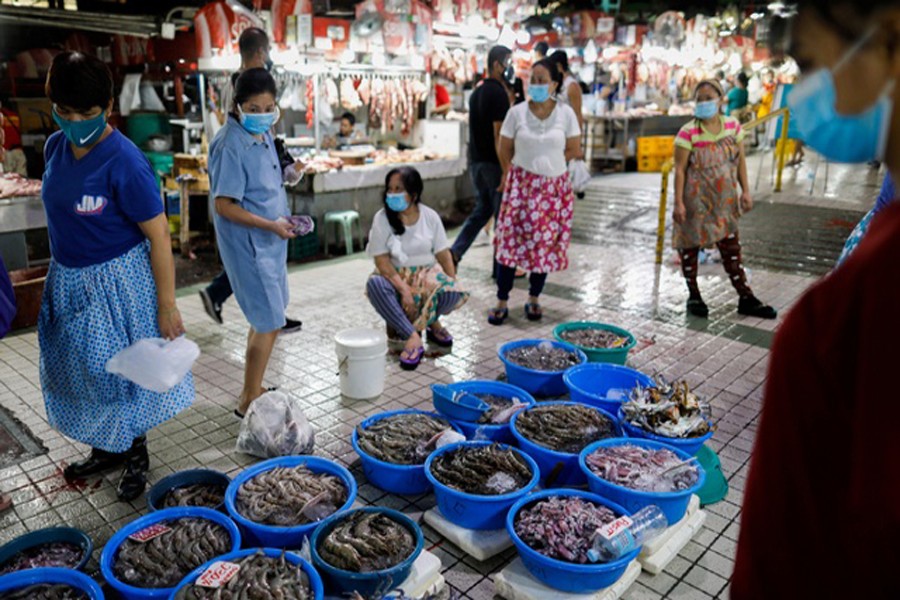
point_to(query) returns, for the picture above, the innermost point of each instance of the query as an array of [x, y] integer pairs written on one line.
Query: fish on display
[[404, 439], [667, 410], [564, 427], [587, 337], [45, 591], [644, 469], [54, 554], [482, 470], [562, 527], [209, 495], [364, 542], [542, 357], [164, 560], [260, 577], [290, 496]]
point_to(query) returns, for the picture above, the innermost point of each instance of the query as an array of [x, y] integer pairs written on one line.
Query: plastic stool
[[344, 220]]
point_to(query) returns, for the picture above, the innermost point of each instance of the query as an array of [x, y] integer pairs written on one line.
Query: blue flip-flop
[[445, 341], [410, 364]]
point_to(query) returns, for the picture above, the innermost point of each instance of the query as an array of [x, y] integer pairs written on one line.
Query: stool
[[343, 220]]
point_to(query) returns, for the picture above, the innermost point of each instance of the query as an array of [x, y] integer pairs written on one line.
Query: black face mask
[[269, 64]]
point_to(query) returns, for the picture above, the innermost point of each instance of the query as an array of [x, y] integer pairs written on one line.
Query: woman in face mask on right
[[709, 164]]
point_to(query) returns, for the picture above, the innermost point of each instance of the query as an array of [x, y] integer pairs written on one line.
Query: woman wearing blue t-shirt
[[246, 182], [111, 280]]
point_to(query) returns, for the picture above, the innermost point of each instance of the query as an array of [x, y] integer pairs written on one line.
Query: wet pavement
[[612, 278]]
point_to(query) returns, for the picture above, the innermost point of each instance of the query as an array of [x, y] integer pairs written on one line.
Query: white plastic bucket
[[362, 361]]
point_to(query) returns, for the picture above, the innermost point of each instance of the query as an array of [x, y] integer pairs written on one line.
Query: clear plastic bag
[[154, 363], [275, 426], [579, 174]]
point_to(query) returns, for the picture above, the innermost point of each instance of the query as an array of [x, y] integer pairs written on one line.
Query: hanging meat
[[350, 99], [310, 103], [365, 91]]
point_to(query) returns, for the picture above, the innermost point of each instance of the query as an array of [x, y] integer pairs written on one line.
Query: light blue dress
[[248, 170]]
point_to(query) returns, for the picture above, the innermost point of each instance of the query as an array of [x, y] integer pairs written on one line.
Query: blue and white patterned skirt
[[88, 315]]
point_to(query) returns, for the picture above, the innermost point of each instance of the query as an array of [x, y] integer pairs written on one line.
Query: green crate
[[305, 246]]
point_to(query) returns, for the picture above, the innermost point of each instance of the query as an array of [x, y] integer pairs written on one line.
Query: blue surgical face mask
[[706, 110], [539, 92], [397, 202], [842, 138], [81, 133], [258, 123]]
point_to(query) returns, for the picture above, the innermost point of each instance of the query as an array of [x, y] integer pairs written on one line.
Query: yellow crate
[[657, 145], [651, 164]]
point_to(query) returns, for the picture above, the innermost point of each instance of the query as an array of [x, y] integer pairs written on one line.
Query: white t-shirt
[[417, 246], [540, 145], [563, 95]]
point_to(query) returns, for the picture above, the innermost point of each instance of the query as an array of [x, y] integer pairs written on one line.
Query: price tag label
[[218, 574], [148, 533], [611, 530]]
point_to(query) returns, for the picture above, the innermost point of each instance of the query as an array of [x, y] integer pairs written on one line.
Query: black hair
[[542, 48], [743, 79], [412, 184], [497, 54], [555, 75], [251, 83], [349, 116], [562, 59], [79, 81], [847, 17], [252, 40]]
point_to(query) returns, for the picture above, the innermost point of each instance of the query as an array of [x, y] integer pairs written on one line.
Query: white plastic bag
[[579, 174], [275, 426], [154, 363]]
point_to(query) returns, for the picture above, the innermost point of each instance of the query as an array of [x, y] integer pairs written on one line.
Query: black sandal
[[497, 316], [697, 307], [751, 306], [533, 311]]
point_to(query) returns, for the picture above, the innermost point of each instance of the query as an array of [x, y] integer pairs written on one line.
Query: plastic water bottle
[[625, 534]]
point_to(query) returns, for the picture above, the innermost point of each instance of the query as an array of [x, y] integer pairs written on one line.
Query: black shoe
[[497, 316], [697, 307], [580, 195], [213, 309], [752, 307], [291, 326], [134, 478], [97, 462]]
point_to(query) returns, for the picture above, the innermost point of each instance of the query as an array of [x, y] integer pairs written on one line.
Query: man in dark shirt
[[487, 109]]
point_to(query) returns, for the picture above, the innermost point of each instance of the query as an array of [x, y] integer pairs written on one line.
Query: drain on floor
[[17, 444]]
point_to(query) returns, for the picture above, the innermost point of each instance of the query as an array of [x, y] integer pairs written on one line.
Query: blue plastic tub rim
[[165, 484], [590, 496], [167, 514], [663, 439], [501, 352], [59, 575], [556, 453], [48, 535], [313, 462], [328, 524], [599, 367], [535, 471], [354, 438], [643, 443], [499, 387], [315, 579]]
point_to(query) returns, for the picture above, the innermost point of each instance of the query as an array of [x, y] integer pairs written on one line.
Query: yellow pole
[[663, 195], [784, 138]]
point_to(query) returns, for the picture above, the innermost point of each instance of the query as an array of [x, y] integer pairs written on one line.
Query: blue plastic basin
[[592, 383], [687, 445], [390, 477], [483, 431], [29, 577], [673, 504], [315, 581], [558, 469], [272, 536], [342, 583], [48, 536], [561, 575], [471, 511], [110, 550], [182, 478], [538, 383]]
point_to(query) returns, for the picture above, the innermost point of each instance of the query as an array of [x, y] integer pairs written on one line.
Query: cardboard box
[[35, 115]]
